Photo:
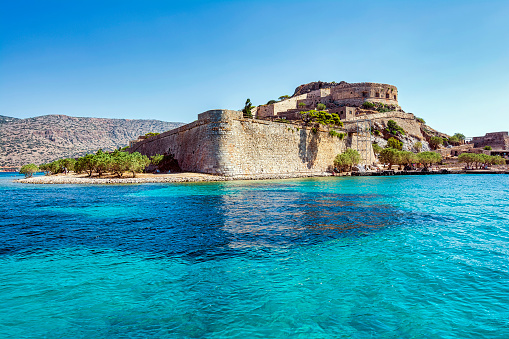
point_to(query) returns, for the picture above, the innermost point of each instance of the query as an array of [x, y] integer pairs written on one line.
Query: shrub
[[333, 133], [394, 128], [321, 107], [460, 136], [347, 159], [394, 143], [417, 146], [377, 148], [270, 102], [151, 134], [368, 104], [156, 159], [321, 117], [488, 148], [435, 142], [283, 97], [29, 170], [421, 120], [389, 156], [429, 158], [248, 106], [302, 104]]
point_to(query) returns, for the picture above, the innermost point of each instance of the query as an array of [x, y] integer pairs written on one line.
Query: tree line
[[480, 160], [117, 162]]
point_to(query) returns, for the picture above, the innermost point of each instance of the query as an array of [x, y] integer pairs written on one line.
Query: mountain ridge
[[49, 137]]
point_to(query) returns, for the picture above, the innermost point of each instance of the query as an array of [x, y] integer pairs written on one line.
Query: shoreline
[[73, 179], [159, 178]]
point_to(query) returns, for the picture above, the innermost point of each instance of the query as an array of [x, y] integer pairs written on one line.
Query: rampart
[[222, 142], [497, 140], [333, 97]]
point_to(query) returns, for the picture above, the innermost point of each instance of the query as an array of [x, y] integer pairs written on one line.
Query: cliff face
[[47, 138]]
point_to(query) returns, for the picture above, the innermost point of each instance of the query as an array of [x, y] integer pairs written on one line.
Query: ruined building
[[497, 140], [342, 98], [225, 142]]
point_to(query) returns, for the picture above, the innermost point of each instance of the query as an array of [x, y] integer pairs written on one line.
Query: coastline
[[73, 179]]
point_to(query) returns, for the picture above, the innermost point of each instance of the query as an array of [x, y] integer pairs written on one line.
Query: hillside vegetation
[[47, 138]]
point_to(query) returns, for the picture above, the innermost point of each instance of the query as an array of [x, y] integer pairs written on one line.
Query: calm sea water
[[377, 257]]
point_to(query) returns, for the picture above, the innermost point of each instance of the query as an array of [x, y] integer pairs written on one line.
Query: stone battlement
[[223, 142], [333, 96]]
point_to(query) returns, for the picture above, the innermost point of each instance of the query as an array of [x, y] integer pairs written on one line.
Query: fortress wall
[[358, 93], [281, 106], [261, 147], [194, 145], [222, 142]]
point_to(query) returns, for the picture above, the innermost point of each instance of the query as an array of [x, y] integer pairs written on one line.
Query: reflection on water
[[168, 221], [384, 257]]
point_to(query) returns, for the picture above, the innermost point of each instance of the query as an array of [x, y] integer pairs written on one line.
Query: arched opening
[[364, 94], [387, 95], [377, 94], [395, 97]]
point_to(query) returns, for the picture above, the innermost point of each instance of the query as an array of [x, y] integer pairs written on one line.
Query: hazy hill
[[50, 137]]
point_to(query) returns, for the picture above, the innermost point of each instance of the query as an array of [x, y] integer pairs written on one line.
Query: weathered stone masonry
[[222, 142]]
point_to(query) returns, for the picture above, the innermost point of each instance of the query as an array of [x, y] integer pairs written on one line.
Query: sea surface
[[358, 257]]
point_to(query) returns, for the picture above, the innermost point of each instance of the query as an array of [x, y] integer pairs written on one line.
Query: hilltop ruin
[[276, 140]]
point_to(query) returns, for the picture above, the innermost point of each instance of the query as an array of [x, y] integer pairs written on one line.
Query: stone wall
[[497, 140], [338, 95], [222, 142]]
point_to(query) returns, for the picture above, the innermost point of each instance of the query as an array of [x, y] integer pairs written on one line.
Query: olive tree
[[347, 159], [29, 170]]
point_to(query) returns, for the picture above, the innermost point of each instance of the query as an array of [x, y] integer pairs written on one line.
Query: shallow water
[[390, 257]]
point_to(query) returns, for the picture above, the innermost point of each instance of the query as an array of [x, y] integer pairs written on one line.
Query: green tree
[[321, 117], [435, 142], [389, 156], [347, 159], [138, 163], [321, 106], [468, 158], [156, 159], [85, 164], [102, 162], [459, 136], [377, 148], [454, 140], [421, 120], [417, 146], [270, 102], [302, 104], [119, 162], [394, 143], [394, 128], [407, 158], [488, 148], [429, 158], [69, 163], [29, 170], [248, 106], [283, 97]]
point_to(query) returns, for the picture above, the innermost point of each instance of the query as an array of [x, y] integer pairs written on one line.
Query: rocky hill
[[50, 137]]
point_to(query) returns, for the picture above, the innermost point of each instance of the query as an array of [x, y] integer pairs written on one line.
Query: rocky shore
[[157, 178]]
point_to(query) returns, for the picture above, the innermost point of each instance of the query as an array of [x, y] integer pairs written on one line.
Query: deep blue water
[[373, 257]]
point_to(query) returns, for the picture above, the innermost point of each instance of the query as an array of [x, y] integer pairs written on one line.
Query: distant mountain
[[4, 119], [50, 137]]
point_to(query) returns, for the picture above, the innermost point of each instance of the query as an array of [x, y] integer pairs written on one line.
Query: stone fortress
[[342, 98], [276, 141]]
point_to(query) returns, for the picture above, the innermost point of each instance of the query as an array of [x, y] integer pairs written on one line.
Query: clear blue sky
[[171, 60]]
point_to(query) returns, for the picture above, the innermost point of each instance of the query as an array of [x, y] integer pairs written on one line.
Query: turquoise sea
[[361, 257]]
